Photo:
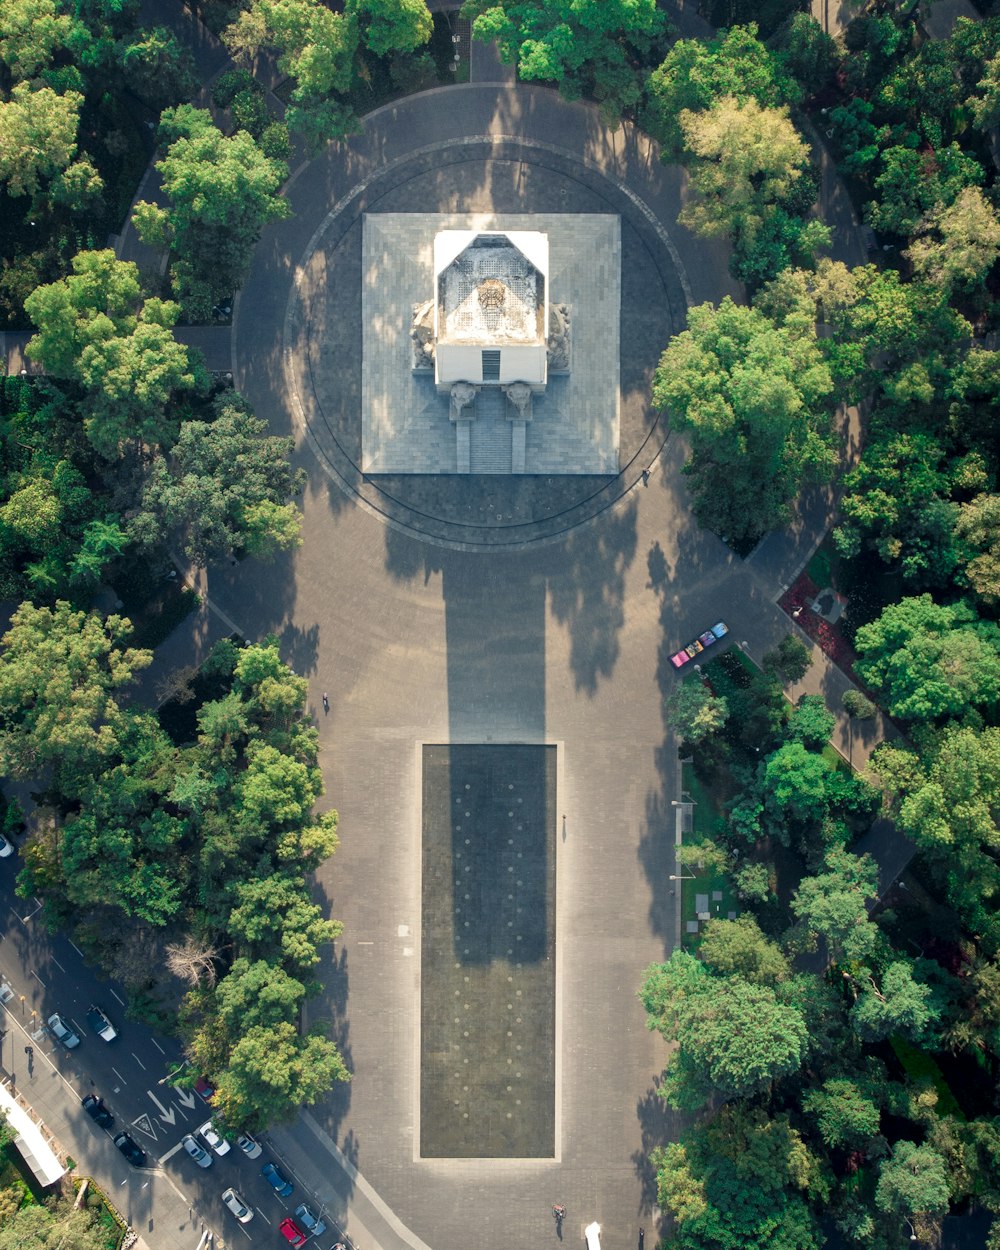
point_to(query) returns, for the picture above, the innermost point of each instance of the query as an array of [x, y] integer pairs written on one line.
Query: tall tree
[[930, 660], [833, 905], [978, 528], [223, 490], [95, 328], [594, 46], [388, 26], [750, 393], [60, 673], [222, 192], [37, 136], [957, 244]]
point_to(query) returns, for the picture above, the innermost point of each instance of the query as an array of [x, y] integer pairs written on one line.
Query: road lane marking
[[170, 1153], [58, 965], [75, 947], [119, 1076], [168, 1116], [138, 1061], [157, 1045], [114, 995], [39, 979], [145, 1125], [186, 1096]]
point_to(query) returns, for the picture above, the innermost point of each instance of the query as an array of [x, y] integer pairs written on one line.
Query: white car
[[6, 847], [249, 1144], [61, 1031], [218, 1143], [198, 1153], [238, 1207]]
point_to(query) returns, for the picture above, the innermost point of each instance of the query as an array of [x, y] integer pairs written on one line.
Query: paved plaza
[[479, 611]]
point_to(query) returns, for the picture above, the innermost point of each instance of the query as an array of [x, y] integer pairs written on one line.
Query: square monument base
[[405, 427]]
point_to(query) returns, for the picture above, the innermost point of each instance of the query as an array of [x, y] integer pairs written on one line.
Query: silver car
[[198, 1153], [249, 1144], [212, 1136], [313, 1225], [61, 1031], [237, 1206]]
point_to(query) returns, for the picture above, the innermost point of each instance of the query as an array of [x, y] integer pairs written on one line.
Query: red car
[[292, 1233]]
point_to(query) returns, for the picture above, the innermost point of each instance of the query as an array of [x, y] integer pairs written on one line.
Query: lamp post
[[913, 1235], [680, 877]]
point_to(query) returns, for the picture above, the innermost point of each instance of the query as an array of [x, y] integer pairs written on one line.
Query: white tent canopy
[[30, 1140]]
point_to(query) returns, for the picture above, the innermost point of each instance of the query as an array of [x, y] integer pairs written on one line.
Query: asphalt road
[[172, 1197]]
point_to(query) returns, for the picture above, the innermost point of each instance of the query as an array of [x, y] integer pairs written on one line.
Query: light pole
[[913, 1235], [675, 876]]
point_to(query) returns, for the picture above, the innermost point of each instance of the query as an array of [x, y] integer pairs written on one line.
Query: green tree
[[845, 1116], [37, 136], [734, 1038], [978, 528], [811, 723], [833, 905], [900, 1004], [750, 394], [858, 705], [159, 68], [806, 52], [929, 660], [223, 490], [796, 790], [388, 26], [739, 948], [947, 802], [273, 1072], [314, 46], [896, 502], [745, 159], [60, 674], [592, 46], [913, 183], [59, 1226], [32, 32], [789, 661], [222, 192], [957, 245], [274, 917], [912, 1181], [697, 72], [94, 327], [695, 712]]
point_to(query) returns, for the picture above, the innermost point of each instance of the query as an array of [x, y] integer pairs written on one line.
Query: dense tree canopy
[[750, 393]]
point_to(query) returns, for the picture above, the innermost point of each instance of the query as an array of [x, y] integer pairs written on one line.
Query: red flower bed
[[828, 637]]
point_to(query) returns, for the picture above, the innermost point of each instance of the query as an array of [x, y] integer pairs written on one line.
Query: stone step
[[490, 442]]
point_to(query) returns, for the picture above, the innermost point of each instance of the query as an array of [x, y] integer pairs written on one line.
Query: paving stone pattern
[[487, 1077]]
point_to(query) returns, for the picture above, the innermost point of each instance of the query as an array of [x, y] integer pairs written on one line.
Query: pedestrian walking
[[645, 477], [326, 703], [559, 1212]]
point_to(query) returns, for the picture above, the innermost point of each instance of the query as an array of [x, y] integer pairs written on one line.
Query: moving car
[[217, 1142], [313, 1225], [196, 1152], [292, 1233], [96, 1109], [61, 1031], [249, 1144], [130, 1149], [281, 1185], [6, 847], [98, 1020], [237, 1206]]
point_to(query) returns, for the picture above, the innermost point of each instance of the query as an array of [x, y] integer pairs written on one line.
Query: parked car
[[205, 1088], [96, 1109], [61, 1031], [249, 1144], [200, 1155], [6, 847], [211, 1135], [237, 1206], [313, 1225], [292, 1233], [130, 1149], [697, 645], [98, 1020], [281, 1185]]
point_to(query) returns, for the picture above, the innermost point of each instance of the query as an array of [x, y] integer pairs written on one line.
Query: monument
[[490, 343]]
